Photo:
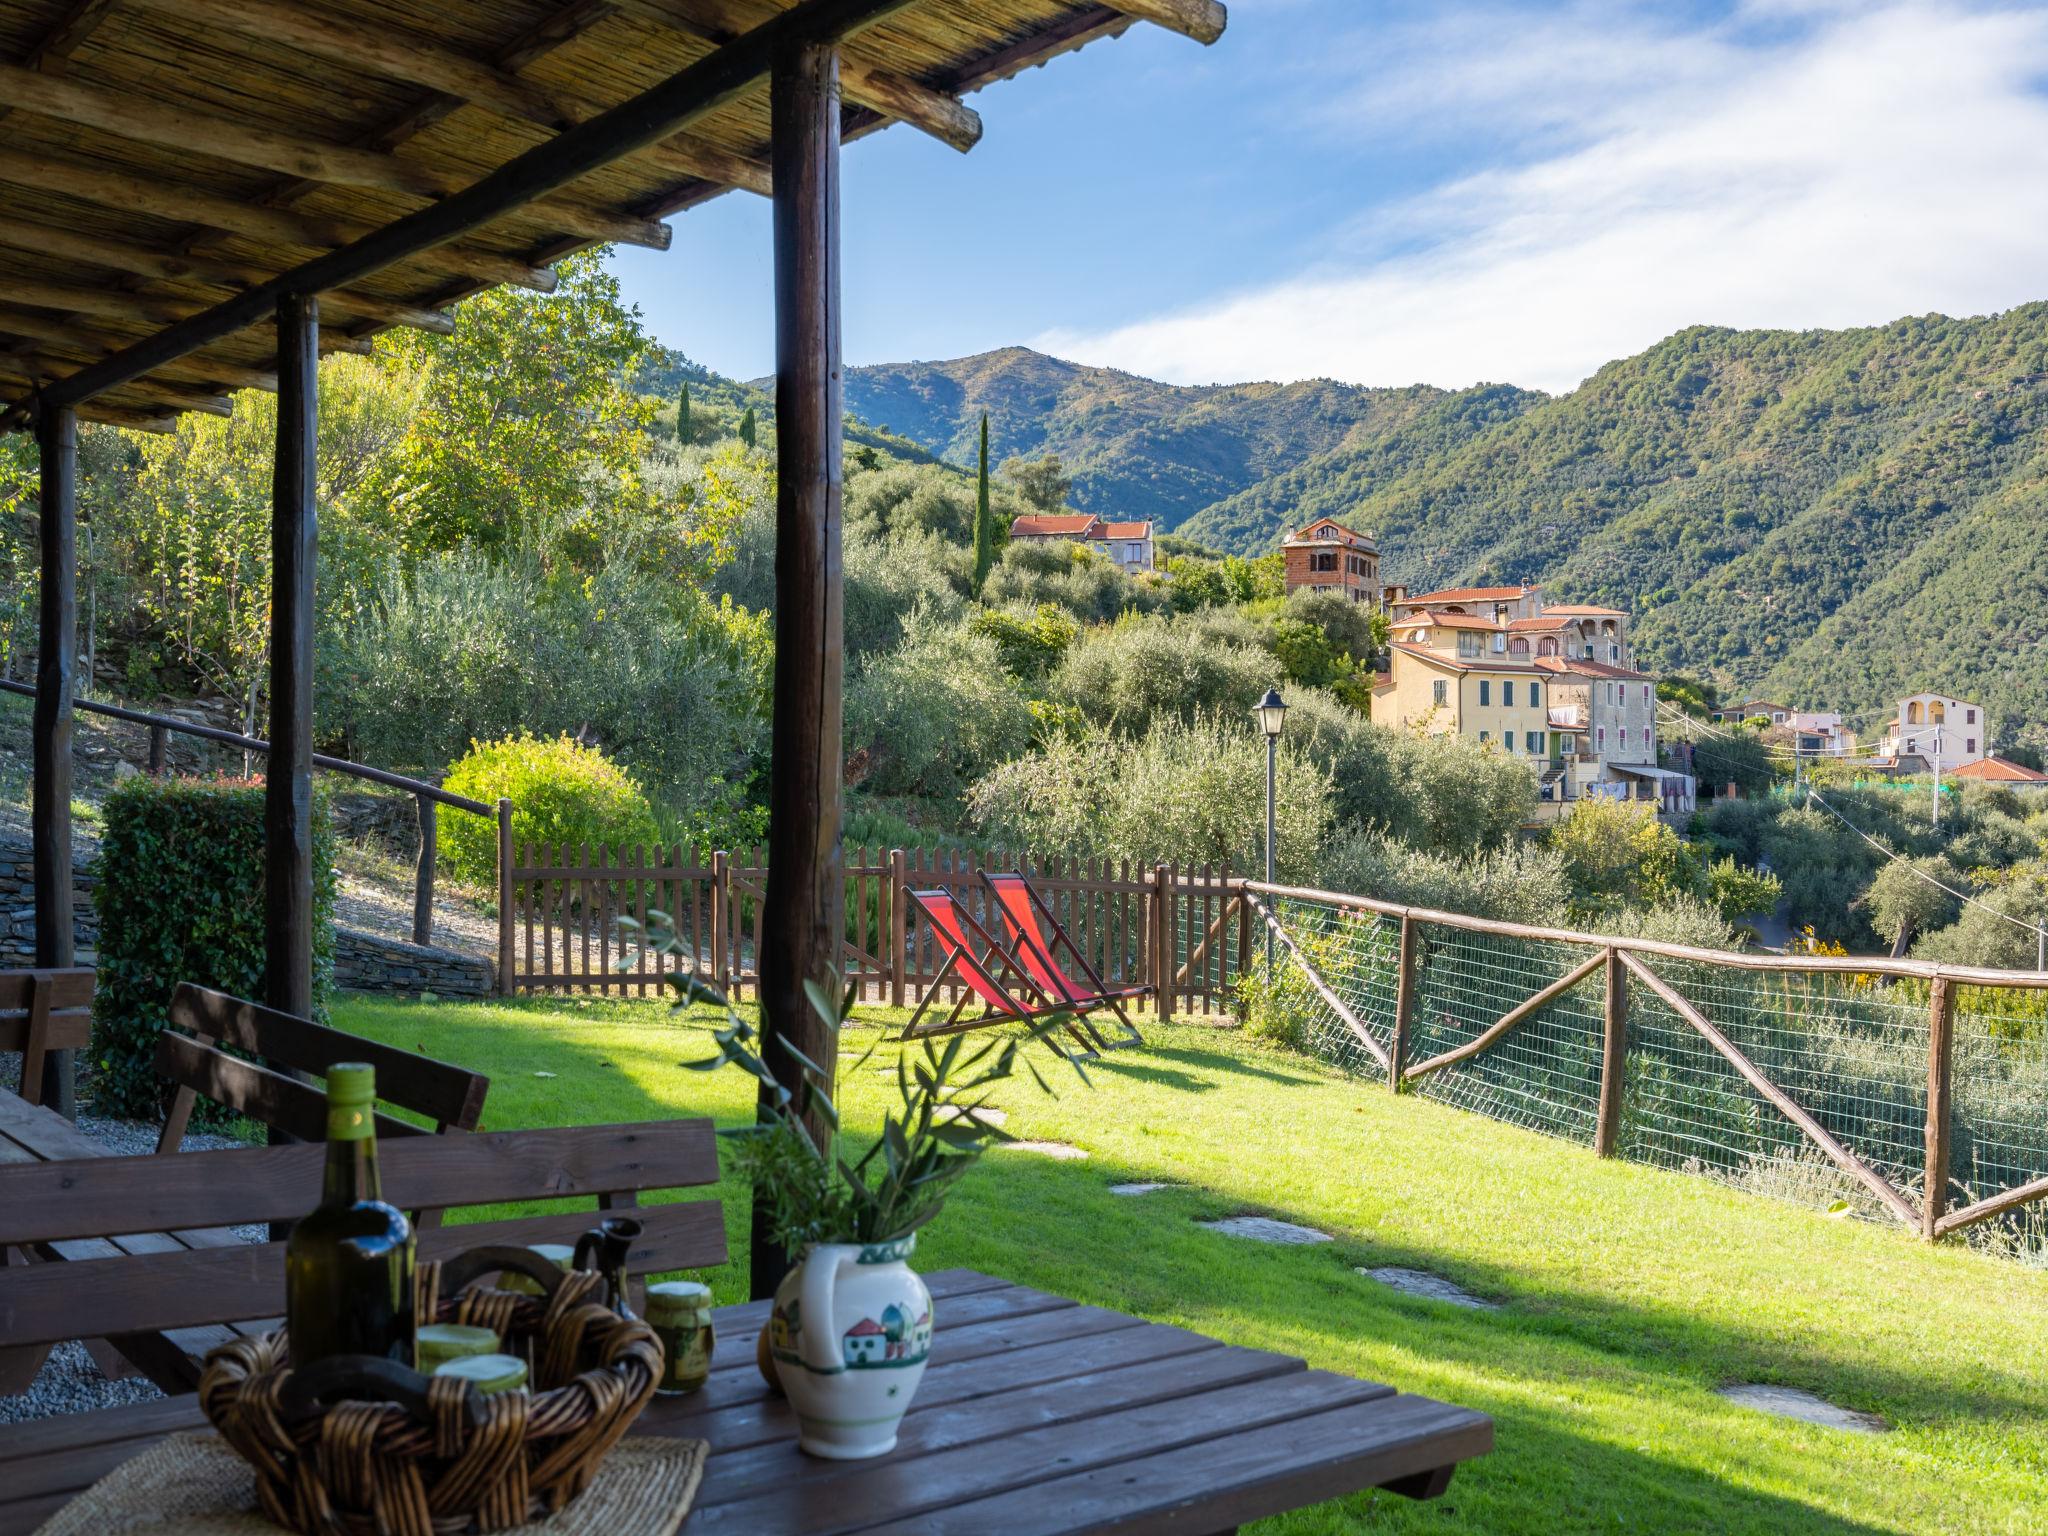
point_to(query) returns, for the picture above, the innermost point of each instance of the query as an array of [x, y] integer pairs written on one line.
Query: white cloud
[[1801, 165]]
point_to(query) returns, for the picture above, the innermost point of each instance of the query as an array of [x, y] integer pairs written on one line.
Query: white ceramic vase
[[850, 1333]]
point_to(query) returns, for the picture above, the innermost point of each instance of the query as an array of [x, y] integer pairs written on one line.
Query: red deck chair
[[992, 974], [1027, 919]]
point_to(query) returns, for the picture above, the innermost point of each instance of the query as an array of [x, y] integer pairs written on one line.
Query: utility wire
[[1814, 796]]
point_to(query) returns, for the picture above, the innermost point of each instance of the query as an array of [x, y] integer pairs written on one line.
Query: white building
[[1942, 732]]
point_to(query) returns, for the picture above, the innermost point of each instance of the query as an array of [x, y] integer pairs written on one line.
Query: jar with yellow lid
[[679, 1311]]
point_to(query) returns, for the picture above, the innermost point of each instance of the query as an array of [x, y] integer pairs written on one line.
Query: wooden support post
[[507, 959], [288, 796], [1613, 1057], [802, 921], [721, 920], [899, 914], [1941, 1026], [56, 659], [423, 880], [1404, 1004], [1162, 938], [159, 750]]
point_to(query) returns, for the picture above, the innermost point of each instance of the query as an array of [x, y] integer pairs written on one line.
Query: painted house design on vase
[[898, 1339]]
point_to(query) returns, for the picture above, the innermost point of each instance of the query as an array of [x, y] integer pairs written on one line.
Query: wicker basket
[[362, 1447]]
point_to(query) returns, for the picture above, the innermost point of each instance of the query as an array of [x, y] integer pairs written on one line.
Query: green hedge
[[180, 874], [561, 792]]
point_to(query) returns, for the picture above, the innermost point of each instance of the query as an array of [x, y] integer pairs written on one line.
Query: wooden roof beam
[[148, 122], [945, 118], [124, 193], [134, 421], [69, 337], [416, 60], [30, 372], [129, 306], [645, 119], [1203, 20], [175, 267]]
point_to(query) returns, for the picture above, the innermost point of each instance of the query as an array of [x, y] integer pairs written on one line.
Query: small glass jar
[[489, 1374], [438, 1343], [679, 1312], [561, 1255]]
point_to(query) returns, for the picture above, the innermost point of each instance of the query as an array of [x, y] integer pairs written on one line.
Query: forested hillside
[[1135, 448], [1834, 516]]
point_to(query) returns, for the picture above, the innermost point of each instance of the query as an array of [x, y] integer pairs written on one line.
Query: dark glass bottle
[[349, 1264]]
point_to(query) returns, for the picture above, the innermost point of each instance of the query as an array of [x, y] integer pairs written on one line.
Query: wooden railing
[[1843, 1034], [425, 796], [1177, 930]]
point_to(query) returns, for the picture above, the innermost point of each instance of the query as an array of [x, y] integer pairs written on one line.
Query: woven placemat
[[194, 1485]]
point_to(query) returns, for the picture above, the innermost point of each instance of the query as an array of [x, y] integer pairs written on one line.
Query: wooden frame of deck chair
[[44, 1011], [951, 922], [1027, 917]]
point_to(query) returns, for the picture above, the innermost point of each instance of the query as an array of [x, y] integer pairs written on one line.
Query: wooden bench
[[163, 1303], [195, 1054], [41, 1012]]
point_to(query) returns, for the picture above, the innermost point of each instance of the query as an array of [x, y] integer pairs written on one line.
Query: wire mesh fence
[[1809, 1084]]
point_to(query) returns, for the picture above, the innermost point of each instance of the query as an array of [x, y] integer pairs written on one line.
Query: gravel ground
[[69, 1381]]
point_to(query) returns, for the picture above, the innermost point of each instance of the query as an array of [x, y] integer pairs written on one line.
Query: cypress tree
[[984, 520], [683, 415], [747, 427]]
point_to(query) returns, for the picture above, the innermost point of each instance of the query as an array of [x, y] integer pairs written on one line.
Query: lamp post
[[1271, 713]]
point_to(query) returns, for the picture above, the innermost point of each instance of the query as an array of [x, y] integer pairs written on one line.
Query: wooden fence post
[[899, 881], [721, 921], [1162, 938], [1613, 1057], [1941, 1021], [159, 750], [1245, 930], [1404, 1004], [423, 876], [505, 962]]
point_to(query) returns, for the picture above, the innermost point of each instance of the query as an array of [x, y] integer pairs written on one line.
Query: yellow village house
[[1554, 685]]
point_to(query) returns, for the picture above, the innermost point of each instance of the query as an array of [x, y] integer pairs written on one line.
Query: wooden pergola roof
[[169, 168]]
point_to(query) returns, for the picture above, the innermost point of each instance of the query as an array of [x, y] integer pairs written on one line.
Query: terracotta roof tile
[[1052, 525], [1140, 530], [2000, 770], [1470, 595]]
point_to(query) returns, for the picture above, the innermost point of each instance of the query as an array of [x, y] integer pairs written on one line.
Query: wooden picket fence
[[1180, 930]]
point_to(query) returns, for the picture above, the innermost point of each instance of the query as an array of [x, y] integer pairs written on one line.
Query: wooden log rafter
[[31, 371], [51, 53], [421, 61], [1202, 20], [88, 343], [1848, 1161], [160, 198], [1508, 1022], [156, 123], [946, 118], [167, 266], [647, 118]]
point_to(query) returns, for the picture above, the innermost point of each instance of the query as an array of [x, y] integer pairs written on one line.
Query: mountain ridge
[[1839, 515]]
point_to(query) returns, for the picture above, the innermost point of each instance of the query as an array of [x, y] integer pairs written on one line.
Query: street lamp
[[1271, 713]]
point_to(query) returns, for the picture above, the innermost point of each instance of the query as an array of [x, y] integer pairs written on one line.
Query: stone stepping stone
[[1144, 1187], [988, 1114], [1420, 1282], [1265, 1229], [1792, 1403], [1058, 1150]]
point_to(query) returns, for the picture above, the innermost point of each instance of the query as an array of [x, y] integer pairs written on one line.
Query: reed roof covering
[[160, 157]]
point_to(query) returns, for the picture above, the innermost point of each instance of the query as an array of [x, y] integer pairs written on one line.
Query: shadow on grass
[[1535, 1366]]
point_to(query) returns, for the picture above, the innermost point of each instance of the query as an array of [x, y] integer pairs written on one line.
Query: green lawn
[[1629, 1293]]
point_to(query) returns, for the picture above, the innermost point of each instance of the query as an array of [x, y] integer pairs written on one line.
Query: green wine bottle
[[349, 1264]]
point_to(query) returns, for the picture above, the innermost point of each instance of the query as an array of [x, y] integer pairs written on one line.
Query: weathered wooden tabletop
[[1037, 1415]]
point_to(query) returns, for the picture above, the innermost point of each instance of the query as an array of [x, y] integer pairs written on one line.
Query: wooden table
[[36, 1133], [1036, 1416]]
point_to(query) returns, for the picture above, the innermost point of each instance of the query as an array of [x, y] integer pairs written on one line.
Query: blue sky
[[1389, 194]]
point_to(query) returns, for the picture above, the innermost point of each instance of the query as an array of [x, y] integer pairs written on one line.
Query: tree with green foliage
[[523, 413], [748, 429], [683, 413], [984, 518], [1043, 481]]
